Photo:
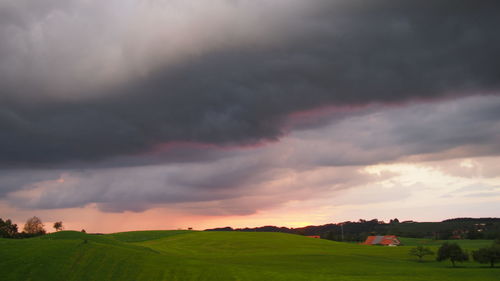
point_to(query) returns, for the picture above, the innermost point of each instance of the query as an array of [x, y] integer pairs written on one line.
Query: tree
[[83, 231], [453, 252], [489, 255], [58, 225], [7, 229], [34, 226], [420, 252], [394, 221]]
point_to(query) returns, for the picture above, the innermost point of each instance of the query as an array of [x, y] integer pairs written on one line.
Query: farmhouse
[[314, 236], [387, 240]]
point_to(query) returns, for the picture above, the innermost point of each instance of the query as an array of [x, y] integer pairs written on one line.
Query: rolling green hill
[[191, 255]]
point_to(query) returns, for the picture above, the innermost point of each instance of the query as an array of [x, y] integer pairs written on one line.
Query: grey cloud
[[374, 194], [308, 163], [241, 92], [15, 180], [69, 49], [137, 187], [240, 185], [466, 127], [484, 167], [157, 114]]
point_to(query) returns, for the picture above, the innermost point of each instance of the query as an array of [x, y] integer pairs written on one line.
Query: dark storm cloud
[[15, 180], [308, 163], [333, 53]]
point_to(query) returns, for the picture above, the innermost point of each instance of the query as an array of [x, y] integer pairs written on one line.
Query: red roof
[[369, 240], [382, 240]]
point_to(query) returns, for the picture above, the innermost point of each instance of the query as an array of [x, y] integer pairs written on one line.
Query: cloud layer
[[85, 85], [308, 163]]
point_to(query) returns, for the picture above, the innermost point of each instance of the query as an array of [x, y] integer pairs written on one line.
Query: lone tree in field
[[453, 252], [489, 255], [34, 226], [58, 225], [420, 252]]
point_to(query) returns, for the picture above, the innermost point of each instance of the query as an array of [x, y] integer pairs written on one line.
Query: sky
[[165, 114]]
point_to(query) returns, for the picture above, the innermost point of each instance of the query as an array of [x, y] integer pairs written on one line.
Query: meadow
[[194, 255]]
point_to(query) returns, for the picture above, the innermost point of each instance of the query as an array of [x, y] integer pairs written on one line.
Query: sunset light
[[343, 121]]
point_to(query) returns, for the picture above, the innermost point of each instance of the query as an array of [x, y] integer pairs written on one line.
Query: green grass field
[[192, 255]]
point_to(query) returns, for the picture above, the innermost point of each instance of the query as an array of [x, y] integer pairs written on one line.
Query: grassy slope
[[163, 255]]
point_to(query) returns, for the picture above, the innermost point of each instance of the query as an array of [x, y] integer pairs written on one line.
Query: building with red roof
[[387, 240]]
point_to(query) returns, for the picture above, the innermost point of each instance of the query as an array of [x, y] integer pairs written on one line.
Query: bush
[[420, 252], [489, 255]]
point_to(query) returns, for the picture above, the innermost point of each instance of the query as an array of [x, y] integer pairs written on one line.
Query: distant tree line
[[33, 227], [460, 228]]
